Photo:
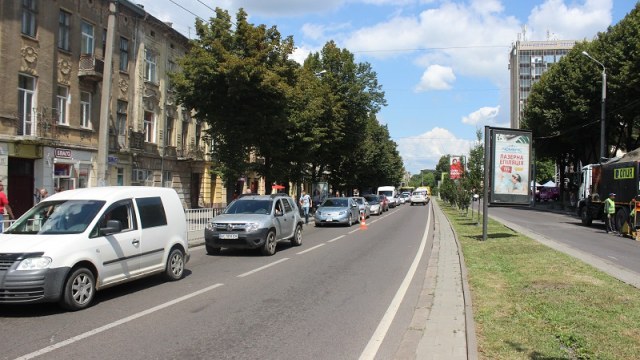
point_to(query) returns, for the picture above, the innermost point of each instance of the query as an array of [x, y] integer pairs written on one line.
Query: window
[[26, 105], [120, 176], [86, 44], [121, 121], [124, 54], [149, 66], [198, 133], [149, 127], [168, 140], [85, 109], [29, 25], [171, 69], [63, 104], [167, 179], [104, 42], [64, 30], [121, 211], [185, 135], [151, 212]]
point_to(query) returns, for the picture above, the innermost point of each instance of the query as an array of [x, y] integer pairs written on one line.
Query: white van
[[76, 242], [390, 192]]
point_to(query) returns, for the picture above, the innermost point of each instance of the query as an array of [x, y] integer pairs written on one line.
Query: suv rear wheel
[[296, 240]]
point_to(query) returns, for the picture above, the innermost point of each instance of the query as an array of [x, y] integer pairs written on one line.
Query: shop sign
[[63, 153], [112, 160]]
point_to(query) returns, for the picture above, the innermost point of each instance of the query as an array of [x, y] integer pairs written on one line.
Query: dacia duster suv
[[255, 222]]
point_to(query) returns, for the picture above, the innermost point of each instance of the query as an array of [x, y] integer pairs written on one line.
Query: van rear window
[[152, 212]]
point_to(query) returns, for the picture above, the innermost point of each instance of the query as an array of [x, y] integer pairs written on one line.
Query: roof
[[110, 193]]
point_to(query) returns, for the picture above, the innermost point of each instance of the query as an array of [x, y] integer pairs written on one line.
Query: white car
[[419, 197], [77, 242]]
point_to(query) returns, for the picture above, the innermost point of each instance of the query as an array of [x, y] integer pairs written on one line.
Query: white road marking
[[612, 257], [336, 239], [352, 231], [262, 267], [313, 248], [116, 323], [372, 347]]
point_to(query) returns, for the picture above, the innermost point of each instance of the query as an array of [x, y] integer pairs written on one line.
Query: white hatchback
[[76, 242]]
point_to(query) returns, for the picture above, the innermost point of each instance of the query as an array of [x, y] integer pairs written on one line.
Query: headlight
[[211, 226], [318, 212], [251, 227], [343, 212], [34, 263]]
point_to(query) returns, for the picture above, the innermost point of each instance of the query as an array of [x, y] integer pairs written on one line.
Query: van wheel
[[296, 240], [269, 247], [175, 265], [585, 217], [79, 290], [212, 250]]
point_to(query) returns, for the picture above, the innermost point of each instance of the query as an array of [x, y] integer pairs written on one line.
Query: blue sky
[[442, 64]]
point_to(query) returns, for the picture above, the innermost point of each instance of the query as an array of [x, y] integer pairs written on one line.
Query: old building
[[52, 69]]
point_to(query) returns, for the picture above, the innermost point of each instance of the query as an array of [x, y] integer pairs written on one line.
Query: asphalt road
[[322, 300], [566, 229]]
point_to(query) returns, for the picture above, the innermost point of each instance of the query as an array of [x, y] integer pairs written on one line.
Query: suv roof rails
[[278, 194]]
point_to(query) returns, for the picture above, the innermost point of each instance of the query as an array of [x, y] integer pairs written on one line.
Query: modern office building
[[528, 60], [53, 72]]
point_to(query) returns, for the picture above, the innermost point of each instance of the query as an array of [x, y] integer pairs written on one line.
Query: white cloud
[[569, 22], [436, 77], [484, 116], [424, 151]]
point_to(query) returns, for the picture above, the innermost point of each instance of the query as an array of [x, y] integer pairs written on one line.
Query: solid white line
[[336, 239], [372, 347], [313, 248], [262, 267], [116, 323]]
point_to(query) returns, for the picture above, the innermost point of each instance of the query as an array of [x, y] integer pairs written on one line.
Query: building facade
[[52, 61], [528, 60]]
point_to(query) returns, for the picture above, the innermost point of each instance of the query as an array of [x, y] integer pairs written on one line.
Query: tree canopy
[[300, 122]]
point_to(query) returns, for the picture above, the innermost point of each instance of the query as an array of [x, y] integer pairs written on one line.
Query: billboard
[[510, 166], [455, 167]]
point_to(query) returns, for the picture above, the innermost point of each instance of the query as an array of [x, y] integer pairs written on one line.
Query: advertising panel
[[455, 167], [511, 159]]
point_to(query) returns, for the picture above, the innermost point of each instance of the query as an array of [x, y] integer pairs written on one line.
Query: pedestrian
[[305, 202], [41, 195], [4, 206], [609, 212]]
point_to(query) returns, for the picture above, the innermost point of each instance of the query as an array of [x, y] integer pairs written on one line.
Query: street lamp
[[602, 109]]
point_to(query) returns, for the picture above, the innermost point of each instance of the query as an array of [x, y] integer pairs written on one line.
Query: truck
[[619, 176]]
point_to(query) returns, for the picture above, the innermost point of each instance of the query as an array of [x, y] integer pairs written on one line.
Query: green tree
[[237, 77]]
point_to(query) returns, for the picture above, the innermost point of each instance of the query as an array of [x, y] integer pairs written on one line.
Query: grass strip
[[533, 302]]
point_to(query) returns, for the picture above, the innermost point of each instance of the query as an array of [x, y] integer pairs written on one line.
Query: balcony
[[90, 67]]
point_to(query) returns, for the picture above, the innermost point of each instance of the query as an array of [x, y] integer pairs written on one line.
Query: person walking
[[305, 202], [41, 194], [609, 212], [4, 205]]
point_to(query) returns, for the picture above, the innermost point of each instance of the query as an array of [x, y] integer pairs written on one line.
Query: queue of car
[[77, 242]]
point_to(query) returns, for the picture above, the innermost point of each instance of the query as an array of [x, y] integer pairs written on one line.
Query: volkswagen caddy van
[[77, 242]]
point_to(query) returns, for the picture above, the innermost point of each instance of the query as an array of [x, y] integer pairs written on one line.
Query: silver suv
[[255, 221]]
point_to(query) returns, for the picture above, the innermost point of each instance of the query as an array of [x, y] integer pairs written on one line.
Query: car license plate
[[329, 219], [228, 236]]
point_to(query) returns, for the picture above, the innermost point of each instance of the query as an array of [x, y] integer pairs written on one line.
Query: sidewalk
[[442, 326]]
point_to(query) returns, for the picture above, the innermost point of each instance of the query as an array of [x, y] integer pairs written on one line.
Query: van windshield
[[57, 217], [388, 193]]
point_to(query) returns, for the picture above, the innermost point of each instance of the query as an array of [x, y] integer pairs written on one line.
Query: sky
[[443, 64]]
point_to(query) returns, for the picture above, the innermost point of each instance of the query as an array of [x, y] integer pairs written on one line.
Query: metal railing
[[197, 220]]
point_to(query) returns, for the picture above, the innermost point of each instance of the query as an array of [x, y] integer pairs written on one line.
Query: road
[[322, 300], [566, 229]]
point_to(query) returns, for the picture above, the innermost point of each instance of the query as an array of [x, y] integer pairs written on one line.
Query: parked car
[[77, 242], [363, 205], [390, 192], [406, 197], [375, 207], [384, 202], [337, 210], [255, 222], [399, 200]]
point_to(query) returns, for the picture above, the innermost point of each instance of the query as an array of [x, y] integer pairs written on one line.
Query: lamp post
[[603, 145]]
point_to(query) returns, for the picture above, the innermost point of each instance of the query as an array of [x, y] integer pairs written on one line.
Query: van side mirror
[[113, 227]]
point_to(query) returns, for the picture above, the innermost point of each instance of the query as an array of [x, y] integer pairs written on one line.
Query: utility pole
[[105, 100]]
